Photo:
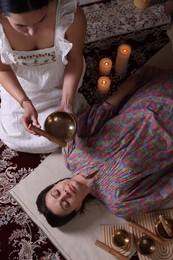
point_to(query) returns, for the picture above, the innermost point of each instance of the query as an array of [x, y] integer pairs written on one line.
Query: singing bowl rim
[[160, 231], [115, 234], [66, 114], [145, 252]]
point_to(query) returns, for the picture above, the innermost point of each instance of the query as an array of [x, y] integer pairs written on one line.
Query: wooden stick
[[110, 250], [47, 135], [146, 232]]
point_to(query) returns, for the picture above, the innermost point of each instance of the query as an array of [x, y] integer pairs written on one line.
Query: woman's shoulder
[[1, 18], [66, 10], [1, 24]]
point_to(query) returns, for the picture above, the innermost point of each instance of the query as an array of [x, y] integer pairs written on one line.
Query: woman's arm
[[168, 7], [9, 81], [128, 87], [73, 71], [11, 84], [93, 119]]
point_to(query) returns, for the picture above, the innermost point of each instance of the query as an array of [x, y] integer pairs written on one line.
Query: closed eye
[[65, 204], [55, 193]]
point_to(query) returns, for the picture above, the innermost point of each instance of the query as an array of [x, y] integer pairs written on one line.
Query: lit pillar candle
[[103, 84], [105, 66], [122, 59], [142, 3]]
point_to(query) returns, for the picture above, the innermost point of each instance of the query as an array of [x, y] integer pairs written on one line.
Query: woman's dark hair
[[53, 219], [21, 6]]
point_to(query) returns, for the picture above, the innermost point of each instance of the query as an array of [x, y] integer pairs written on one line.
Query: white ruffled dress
[[40, 73]]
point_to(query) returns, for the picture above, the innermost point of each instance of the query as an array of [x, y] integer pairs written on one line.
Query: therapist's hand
[[30, 116], [67, 109]]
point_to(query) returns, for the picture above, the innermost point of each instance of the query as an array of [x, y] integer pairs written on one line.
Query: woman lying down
[[121, 157]]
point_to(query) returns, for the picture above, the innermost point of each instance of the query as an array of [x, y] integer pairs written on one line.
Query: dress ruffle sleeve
[[1, 38], [65, 17], [6, 57]]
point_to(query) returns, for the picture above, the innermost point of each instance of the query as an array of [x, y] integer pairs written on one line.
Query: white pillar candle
[[122, 59], [103, 84], [105, 66], [141, 4]]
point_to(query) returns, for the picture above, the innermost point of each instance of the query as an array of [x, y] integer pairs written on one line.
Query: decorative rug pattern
[[144, 44], [20, 238], [114, 18]]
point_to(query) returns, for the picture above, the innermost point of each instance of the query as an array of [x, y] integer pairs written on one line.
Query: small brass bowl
[[146, 245], [161, 231], [121, 238], [61, 125]]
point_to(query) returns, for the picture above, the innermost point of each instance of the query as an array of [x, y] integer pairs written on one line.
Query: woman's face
[[28, 23], [65, 197]]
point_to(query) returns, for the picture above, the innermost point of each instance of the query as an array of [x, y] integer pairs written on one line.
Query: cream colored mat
[[76, 239]]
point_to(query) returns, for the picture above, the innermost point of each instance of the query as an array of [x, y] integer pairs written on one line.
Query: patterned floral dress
[[132, 151]]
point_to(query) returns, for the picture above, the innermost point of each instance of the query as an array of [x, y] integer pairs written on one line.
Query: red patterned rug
[[20, 238]]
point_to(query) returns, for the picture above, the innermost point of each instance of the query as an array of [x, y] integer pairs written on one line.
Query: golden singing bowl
[[61, 125], [161, 231], [121, 238], [146, 245]]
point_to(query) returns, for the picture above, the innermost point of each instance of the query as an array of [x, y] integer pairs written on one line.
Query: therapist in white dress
[[41, 67]]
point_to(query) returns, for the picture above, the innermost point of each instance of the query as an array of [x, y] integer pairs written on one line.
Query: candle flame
[[125, 49], [104, 82]]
